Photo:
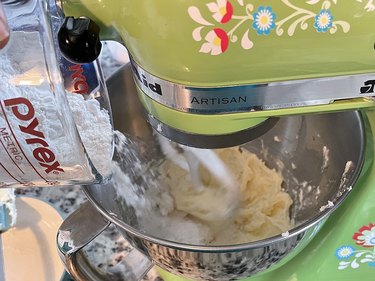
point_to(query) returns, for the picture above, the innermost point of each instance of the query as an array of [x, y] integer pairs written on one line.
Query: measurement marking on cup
[[14, 136], [11, 158], [10, 173]]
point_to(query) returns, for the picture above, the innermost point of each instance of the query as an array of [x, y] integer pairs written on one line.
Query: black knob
[[79, 40]]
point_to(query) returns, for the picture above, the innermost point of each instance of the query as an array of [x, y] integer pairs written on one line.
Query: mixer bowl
[[319, 156]]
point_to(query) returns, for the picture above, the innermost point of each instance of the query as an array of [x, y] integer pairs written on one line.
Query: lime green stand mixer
[[212, 73], [219, 73]]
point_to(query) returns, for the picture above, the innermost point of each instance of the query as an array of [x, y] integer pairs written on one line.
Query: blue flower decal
[[323, 21], [344, 252], [264, 20]]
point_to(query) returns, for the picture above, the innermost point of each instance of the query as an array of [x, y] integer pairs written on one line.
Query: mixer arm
[[74, 235]]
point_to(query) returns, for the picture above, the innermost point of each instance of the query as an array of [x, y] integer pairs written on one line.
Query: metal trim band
[[213, 141], [253, 97]]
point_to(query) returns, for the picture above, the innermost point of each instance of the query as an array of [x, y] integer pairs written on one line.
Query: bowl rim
[[301, 228]]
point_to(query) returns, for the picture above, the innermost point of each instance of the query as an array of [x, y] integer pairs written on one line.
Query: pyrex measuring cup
[[55, 119]]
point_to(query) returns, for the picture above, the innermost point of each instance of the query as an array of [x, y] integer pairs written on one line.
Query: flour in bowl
[[171, 207]]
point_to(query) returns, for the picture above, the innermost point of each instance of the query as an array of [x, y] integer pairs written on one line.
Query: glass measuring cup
[[55, 119]]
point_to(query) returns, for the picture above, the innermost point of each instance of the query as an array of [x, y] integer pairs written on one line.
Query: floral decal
[[345, 252], [264, 20], [365, 237], [369, 7], [216, 42], [323, 21], [222, 10], [225, 22], [351, 257]]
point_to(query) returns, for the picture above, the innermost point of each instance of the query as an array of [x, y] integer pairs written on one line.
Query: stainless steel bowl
[[320, 157]]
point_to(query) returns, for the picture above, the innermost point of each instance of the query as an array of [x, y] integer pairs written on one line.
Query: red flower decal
[[223, 37], [365, 236], [222, 10], [229, 13], [217, 42]]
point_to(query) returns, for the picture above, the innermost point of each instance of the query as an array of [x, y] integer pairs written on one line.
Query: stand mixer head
[[216, 73]]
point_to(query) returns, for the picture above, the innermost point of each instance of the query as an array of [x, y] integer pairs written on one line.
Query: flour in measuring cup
[[35, 132], [95, 128]]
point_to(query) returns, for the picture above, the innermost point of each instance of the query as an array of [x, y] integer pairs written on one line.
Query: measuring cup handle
[[79, 229]]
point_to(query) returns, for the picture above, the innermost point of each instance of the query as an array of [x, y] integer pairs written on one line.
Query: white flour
[[42, 146], [151, 202], [153, 206], [168, 205], [94, 127]]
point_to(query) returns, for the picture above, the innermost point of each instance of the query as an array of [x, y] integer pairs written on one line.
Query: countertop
[[110, 247]]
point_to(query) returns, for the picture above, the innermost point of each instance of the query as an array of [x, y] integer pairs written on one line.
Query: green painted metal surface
[[203, 42], [207, 43]]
